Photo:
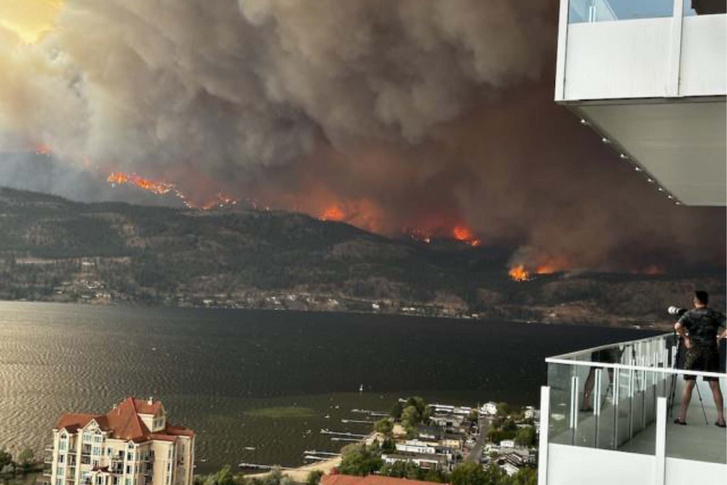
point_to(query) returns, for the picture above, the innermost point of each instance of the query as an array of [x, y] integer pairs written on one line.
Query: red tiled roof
[[123, 422], [369, 480], [74, 421], [143, 406]]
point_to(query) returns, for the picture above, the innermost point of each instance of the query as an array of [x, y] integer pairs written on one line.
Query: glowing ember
[[546, 269], [333, 214], [519, 273], [464, 234], [218, 200], [158, 188], [42, 149]]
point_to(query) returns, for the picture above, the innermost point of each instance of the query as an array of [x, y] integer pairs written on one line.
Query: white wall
[[703, 67], [571, 465], [628, 59], [621, 59]]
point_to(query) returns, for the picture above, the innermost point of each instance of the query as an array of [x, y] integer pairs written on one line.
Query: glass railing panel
[[560, 381], [590, 11], [700, 439]]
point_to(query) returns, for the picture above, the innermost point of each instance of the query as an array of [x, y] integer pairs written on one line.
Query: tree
[[525, 476], [314, 477], [6, 459], [503, 409], [222, 477], [470, 473], [25, 458], [525, 436], [384, 426], [396, 410], [360, 459]]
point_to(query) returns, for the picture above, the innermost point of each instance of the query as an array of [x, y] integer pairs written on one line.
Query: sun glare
[[29, 19]]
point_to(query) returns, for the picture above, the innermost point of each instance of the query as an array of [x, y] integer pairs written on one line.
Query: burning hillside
[[217, 200]]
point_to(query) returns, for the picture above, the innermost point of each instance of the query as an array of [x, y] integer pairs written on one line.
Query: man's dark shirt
[[703, 325]]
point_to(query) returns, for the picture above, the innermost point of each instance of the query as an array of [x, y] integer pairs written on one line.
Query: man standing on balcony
[[700, 329]]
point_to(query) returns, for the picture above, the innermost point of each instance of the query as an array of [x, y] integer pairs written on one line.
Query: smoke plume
[[406, 115]]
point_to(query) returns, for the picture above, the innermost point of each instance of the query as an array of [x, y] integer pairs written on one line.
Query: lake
[[261, 379]]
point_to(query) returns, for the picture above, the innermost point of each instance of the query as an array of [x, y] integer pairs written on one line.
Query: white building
[[489, 409], [133, 444], [651, 79], [621, 430], [417, 446], [531, 413]]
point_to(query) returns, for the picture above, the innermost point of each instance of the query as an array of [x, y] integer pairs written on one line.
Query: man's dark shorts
[[702, 358]]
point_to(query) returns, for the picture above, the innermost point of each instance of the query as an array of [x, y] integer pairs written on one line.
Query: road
[[476, 451]]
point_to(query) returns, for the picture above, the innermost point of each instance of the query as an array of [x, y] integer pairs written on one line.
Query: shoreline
[[653, 326]]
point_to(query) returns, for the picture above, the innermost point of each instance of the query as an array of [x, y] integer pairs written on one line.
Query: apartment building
[[132, 444], [651, 79]]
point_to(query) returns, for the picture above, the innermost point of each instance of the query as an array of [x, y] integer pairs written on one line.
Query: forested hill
[[52, 249]]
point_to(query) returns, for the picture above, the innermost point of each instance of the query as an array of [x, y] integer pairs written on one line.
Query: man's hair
[[702, 296]]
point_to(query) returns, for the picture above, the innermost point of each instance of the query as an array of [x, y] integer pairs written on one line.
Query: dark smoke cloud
[[407, 114]]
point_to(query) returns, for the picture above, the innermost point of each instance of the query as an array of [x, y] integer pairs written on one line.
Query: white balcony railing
[[610, 410]]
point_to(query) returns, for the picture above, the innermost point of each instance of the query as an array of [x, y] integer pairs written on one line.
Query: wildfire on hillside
[[218, 200], [333, 213], [42, 149], [464, 234], [519, 273]]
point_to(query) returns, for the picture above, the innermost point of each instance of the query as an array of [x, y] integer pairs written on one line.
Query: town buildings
[[132, 444]]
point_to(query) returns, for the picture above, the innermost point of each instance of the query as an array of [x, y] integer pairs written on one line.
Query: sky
[[401, 117]]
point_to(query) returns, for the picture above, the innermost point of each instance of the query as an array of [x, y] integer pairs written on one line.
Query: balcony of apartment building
[[607, 416], [651, 78]]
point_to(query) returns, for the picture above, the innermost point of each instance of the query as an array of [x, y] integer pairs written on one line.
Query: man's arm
[[682, 331]]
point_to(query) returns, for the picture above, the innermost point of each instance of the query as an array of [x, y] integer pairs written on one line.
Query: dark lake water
[[225, 373]]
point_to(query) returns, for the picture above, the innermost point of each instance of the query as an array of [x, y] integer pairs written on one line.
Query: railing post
[[574, 408], [597, 405], [543, 441], [562, 50], [660, 462], [675, 49]]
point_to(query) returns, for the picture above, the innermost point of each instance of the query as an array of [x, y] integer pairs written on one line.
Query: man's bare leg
[[686, 398], [718, 401]]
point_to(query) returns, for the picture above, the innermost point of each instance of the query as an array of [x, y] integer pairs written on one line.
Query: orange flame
[[464, 234], [42, 149], [333, 213], [519, 273], [161, 188]]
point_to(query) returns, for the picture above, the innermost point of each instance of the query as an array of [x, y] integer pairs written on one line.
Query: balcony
[[651, 78], [608, 418]]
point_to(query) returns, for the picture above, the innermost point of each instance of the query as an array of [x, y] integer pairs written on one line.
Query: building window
[[59, 481], [87, 436], [62, 445]]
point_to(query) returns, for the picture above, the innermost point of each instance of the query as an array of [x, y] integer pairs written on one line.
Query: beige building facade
[[132, 444]]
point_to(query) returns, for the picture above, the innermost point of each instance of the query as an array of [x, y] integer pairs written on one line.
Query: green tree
[[5, 458], [25, 458], [470, 473], [222, 477], [503, 409], [384, 426], [396, 410], [314, 477], [360, 459], [525, 476], [525, 436]]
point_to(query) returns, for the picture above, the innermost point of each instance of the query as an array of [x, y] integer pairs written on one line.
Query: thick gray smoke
[[419, 114], [231, 86]]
